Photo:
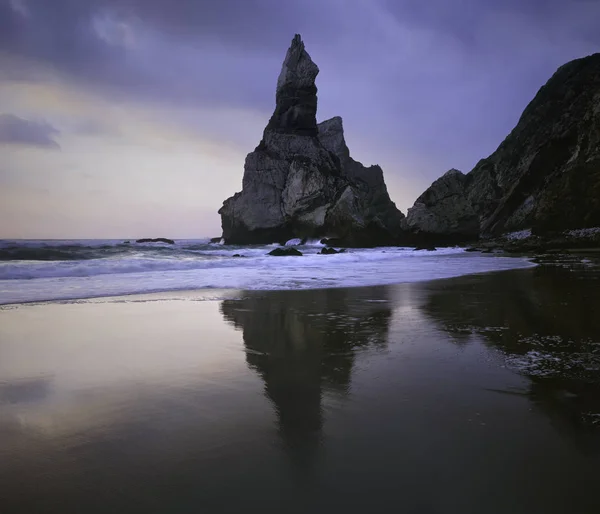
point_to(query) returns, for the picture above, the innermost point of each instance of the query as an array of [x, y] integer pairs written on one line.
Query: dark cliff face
[[545, 175], [444, 211], [383, 220], [300, 181]]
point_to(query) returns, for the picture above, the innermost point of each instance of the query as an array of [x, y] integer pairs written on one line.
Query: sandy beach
[[431, 396]]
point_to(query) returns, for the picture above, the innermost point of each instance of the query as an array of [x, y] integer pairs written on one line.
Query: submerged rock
[[285, 252], [329, 251], [545, 175], [300, 181], [155, 240]]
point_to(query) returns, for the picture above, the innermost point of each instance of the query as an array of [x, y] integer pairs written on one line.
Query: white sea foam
[[516, 236], [584, 232]]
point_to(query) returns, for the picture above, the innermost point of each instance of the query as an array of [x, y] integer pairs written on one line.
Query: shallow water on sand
[[468, 395]]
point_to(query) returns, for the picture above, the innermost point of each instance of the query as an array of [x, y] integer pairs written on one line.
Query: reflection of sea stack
[[300, 352]]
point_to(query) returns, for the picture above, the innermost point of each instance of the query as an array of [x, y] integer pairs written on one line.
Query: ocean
[[46, 270]]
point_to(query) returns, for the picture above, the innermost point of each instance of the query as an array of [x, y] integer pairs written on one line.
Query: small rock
[[155, 240], [285, 252], [428, 248], [328, 251]]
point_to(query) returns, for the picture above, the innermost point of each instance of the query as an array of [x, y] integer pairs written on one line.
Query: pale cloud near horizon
[[147, 175], [155, 103]]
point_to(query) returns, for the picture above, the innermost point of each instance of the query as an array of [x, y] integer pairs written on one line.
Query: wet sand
[[468, 395]]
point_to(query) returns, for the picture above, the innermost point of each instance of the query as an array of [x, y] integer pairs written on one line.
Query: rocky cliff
[[300, 181], [444, 211], [544, 176]]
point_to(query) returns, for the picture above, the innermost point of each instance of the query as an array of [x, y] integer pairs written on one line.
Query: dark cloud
[[170, 49], [473, 66], [15, 130], [227, 51]]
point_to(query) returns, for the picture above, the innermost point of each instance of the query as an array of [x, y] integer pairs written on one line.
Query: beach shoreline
[[393, 271], [115, 397]]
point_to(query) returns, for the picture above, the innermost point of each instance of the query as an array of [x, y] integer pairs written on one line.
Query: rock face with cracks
[[444, 210], [545, 175], [300, 181]]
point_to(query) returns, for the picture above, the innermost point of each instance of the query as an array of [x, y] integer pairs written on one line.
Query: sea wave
[[73, 250], [62, 270], [44, 281], [85, 260]]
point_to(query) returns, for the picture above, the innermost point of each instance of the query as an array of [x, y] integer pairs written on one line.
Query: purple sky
[[127, 118]]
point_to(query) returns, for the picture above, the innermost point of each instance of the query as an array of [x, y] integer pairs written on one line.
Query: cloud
[[408, 55], [15, 130], [177, 51], [19, 7], [93, 127]]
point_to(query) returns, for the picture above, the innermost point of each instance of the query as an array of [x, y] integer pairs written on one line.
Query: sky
[[132, 118]]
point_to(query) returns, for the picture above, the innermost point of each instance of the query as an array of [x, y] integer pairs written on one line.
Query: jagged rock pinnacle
[[331, 135], [296, 97], [300, 181]]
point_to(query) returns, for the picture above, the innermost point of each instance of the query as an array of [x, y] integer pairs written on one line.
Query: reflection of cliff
[[545, 320], [302, 343], [544, 301]]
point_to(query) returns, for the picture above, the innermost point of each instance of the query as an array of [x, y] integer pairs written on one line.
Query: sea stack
[[545, 176], [300, 181]]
